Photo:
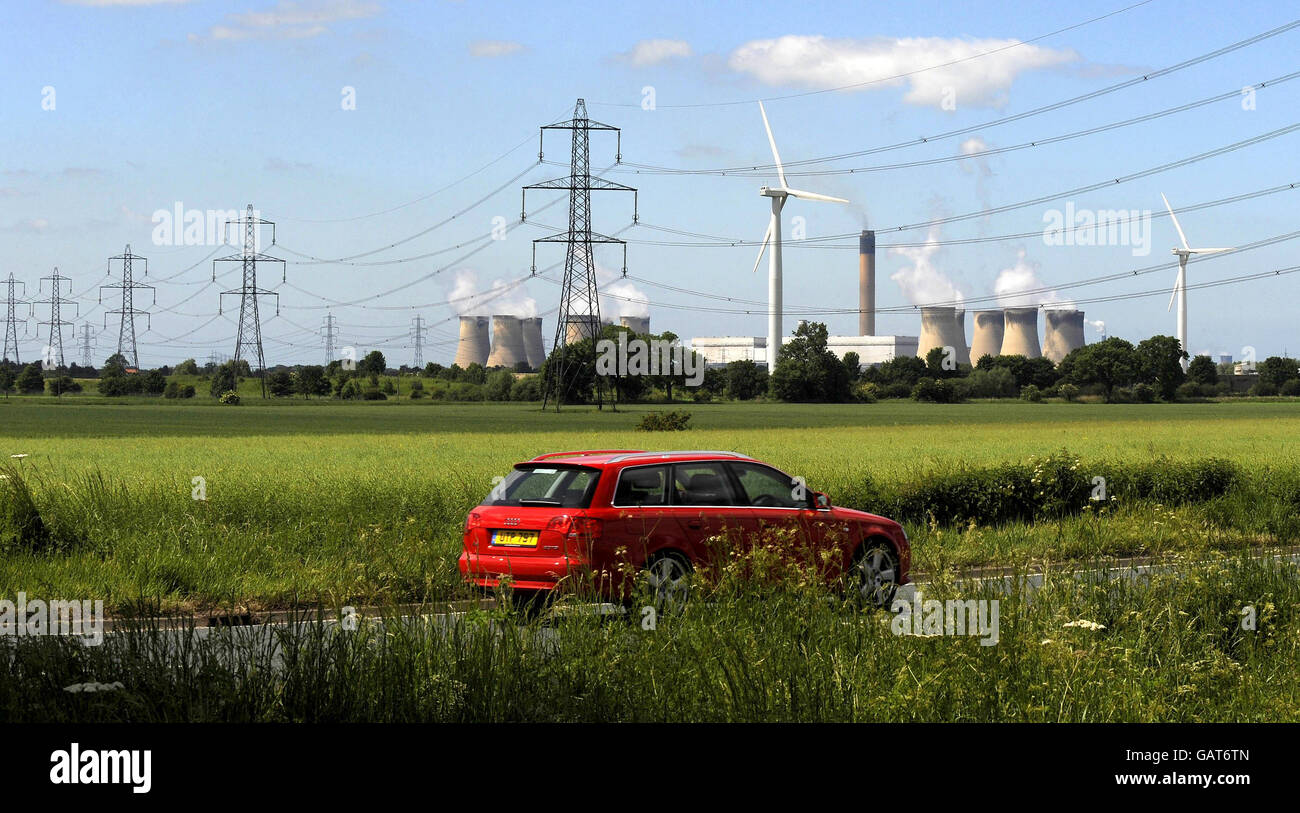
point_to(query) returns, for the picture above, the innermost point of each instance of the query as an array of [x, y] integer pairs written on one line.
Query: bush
[[527, 388], [1290, 388], [1031, 393], [1187, 391], [173, 390], [1144, 393], [1263, 389], [864, 392], [230, 397], [664, 421], [373, 394], [935, 390], [188, 391], [701, 396], [1068, 391]]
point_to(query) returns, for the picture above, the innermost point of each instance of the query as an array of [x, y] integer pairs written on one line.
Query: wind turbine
[[778, 194], [1180, 285]]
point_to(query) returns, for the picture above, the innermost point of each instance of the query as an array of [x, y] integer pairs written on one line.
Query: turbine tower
[[1180, 285], [778, 194]]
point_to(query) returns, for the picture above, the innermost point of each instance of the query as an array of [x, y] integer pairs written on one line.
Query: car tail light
[[576, 530], [474, 520]]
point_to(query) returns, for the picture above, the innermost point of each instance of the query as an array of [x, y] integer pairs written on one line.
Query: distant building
[[719, 351]]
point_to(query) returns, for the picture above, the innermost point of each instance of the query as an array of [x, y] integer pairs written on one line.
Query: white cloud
[[922, 281], [290, 19], [656, 52], [820, 62], [469, 298], [491, 49], [1013, 282]]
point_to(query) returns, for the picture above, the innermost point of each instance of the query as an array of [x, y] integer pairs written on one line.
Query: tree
[[1159, 364], [745, 380], [1202, 370], [187, 367], [898, 370], [224, 380], [499, 383], [30, 381], [153, 382], [807, 371], [116, 364], [1109, 363], [6, 380], [63, 384], [279, 384], [1040, 372], [309, 379], [1277, 370], [373, 363], [852, 365], [938, 364]]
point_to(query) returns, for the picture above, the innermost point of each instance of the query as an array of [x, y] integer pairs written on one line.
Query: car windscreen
[[546, 485]]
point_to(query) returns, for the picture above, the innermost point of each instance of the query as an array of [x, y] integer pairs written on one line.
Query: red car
[[611, 513]]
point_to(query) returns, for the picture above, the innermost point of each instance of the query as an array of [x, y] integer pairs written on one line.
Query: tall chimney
[[473, 346], [507, 342], [1064, 333], [1020, 337], [534, 350], [867, 283], [988, 335]]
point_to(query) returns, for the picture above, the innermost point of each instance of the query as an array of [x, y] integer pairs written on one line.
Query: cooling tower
[[1020, 335], [943, 327], [1064, 332], [988, 335], [534, 350], [867, 283], [580, 327], [473, 346], [507, 342], [636, 324]]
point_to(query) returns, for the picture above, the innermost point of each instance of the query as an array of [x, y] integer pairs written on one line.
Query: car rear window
[[546, 485], [642, 485]]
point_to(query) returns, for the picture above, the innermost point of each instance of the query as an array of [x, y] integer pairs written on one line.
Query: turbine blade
[[1178, 283], [767, 238], [1174, 218], [1210, 250], [780, 170], [799, 193]]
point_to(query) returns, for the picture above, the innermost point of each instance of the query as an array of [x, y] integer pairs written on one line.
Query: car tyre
[[874, 575], [668, 580]]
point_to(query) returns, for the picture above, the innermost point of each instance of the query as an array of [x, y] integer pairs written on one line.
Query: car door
[[779, 507], [707, 506], [643, 520]]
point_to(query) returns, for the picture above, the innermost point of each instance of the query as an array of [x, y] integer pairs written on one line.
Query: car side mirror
[[820, 501]]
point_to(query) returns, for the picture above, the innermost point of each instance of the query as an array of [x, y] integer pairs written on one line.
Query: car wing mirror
[[820, 501]]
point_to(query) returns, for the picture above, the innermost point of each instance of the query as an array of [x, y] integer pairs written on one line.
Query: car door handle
[[694, 524]]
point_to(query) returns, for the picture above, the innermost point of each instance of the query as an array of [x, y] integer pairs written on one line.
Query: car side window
[[643, 485], [702, 484], [766, 488]]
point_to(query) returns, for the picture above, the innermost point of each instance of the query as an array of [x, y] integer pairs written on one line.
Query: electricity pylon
[[126, 330], [248, 340]]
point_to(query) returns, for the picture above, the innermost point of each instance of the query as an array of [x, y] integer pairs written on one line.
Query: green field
[[362, 502]]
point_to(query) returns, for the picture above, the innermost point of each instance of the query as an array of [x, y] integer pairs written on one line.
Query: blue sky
[[214, 105]]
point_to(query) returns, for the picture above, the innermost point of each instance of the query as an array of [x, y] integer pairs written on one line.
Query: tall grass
[[1171, 648]]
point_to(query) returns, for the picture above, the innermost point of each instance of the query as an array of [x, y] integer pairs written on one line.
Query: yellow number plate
[[515, 539]]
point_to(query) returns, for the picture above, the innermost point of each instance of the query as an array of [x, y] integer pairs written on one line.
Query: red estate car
[[588, 512]]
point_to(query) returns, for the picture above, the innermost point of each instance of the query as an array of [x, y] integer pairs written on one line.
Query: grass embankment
[[1169, 648]]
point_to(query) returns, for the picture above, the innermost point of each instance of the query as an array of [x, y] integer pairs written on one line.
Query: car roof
[[606, 457]]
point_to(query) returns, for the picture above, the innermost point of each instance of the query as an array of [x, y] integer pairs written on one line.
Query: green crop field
[[312, 501]]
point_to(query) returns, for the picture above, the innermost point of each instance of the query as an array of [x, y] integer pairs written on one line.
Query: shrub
[[865, 392], [1031, 393], [188, 391], [1144, 393], [896, 390], [936, 390], [701, 396], [673, 421], [373, 394], [527, 388], [1068, 391], [173, 390], [1291, 388], [1264, 389], [230, 397]]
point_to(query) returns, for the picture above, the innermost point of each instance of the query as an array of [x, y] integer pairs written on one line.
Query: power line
[[881, 79]]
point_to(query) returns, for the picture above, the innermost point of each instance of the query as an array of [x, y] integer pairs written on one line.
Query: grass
[[362, 502], [1172, 648]]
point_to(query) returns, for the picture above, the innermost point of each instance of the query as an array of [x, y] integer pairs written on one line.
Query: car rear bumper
[[523, 572]]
